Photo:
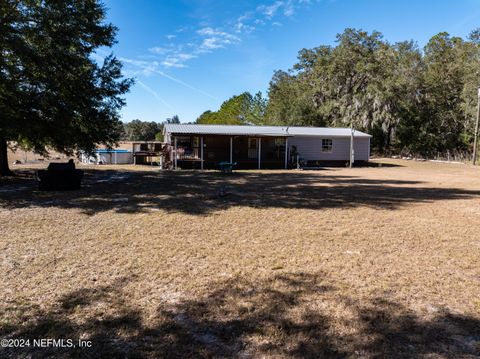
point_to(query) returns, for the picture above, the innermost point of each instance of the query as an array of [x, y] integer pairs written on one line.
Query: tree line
[[243, 109], [412, 100], [137, 130]]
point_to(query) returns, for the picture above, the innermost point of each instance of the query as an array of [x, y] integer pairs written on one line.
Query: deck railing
[[188, 153]]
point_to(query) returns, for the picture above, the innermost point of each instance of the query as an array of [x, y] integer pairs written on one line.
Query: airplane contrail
[[161, 73], [154, 93], [151, 68]]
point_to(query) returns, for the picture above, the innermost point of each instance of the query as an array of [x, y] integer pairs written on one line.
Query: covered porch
[[249, 152]]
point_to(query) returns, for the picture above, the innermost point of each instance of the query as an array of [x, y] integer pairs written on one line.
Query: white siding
[[167, 138], [310, 148]]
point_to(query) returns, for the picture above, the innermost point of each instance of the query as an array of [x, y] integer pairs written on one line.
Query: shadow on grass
[[288, 315], [377, 164], [202, 193]]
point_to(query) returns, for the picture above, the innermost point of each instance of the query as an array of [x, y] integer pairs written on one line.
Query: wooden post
[[352, 131], [475, 138], [201, 152], [286, 152], [231, 149], [175, 159], [259, 151], [133, 154]]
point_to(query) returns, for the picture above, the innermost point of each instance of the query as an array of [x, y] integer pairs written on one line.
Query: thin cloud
[[240, 27], [241, 23], [145, 68], [214, 39], [268, 13], [270, 10], [289, 9], [177, 60], [169, 63], [211, 43], [208, 31], [207, 39], [158, 50]]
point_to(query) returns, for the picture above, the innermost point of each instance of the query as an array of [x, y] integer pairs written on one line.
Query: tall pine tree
[[53, 94]]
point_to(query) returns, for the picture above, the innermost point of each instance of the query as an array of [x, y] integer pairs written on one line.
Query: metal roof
[[277, 131], [226, 130], [325, 132]]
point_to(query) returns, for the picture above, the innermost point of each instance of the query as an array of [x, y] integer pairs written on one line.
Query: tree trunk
[[388, 140], [4, 169]]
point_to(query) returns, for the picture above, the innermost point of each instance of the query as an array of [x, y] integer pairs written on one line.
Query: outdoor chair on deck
[[60, 176]]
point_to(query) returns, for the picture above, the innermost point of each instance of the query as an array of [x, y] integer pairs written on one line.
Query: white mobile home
[[204, 146]]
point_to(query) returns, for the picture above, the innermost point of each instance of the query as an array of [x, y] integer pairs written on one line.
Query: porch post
[[231, 149], [259, 151], [201, 152], [286, 152], [133, 154], [175, 159]]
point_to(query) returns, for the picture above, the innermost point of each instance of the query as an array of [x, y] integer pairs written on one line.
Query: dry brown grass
[[363, 262]]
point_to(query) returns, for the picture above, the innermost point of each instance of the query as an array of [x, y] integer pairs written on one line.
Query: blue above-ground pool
[[106, 156]]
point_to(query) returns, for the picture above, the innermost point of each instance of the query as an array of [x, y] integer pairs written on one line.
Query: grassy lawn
[[363, 262]]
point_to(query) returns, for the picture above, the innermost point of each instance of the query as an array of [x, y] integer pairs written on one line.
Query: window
[[327, 145]]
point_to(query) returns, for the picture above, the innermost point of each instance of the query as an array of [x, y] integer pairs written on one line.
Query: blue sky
[[189, 56]]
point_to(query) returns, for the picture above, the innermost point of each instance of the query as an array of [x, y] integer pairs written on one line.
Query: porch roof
[[229, 130], [274, 131]]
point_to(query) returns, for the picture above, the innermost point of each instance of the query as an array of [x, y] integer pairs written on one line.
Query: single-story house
[[204, 146]]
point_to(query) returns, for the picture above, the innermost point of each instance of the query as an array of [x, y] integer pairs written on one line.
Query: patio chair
[[59, 176]]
